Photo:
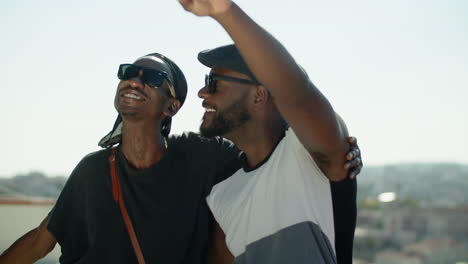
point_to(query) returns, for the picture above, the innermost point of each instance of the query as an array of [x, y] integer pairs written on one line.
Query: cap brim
[[226, 57]]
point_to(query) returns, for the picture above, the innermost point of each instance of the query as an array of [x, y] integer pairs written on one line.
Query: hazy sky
[[396, 71]]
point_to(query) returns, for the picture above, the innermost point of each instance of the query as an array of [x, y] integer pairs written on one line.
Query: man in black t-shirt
[[164, 181]]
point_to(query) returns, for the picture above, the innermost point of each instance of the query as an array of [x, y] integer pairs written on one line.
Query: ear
[[261, 95], [172, 107]]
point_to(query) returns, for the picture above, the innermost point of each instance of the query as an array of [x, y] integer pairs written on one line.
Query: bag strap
[[117, 193]]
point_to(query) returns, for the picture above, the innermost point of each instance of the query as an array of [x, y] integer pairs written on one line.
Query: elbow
[[332, 166], [336, 171], [337, 174]]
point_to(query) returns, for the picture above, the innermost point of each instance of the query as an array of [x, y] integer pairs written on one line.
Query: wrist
[[226, 13]]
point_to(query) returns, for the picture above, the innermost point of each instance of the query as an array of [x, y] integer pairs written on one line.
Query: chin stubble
[[227, 120]]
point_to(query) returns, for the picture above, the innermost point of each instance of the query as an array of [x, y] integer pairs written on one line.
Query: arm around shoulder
[[32, 246]]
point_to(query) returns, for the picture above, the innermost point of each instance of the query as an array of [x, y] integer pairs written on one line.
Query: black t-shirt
[[166, 203], [344, 217]]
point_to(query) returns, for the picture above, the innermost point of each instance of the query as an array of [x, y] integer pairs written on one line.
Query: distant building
[[437, 251], [393, 257], [408, 225], [360, 261]]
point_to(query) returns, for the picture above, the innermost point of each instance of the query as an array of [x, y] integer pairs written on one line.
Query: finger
[[352, 141], [353, 153], [355, 172], [353, 163]]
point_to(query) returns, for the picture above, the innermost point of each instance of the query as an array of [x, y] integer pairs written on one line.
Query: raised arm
[[32, 246], [303, 106]]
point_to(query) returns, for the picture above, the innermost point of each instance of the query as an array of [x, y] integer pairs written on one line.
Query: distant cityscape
[[412, 214], [407, 213], [33, 187]]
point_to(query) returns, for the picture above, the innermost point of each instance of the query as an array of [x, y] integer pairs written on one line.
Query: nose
[[203, 92], [136, 82]]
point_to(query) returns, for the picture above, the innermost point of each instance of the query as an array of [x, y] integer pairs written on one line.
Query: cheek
[[116, 97], [157, 104], [116, 100]]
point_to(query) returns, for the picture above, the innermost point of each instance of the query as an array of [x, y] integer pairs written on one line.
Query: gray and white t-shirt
[[280, 212]]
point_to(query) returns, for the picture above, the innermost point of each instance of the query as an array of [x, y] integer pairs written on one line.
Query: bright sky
[[396, 71]]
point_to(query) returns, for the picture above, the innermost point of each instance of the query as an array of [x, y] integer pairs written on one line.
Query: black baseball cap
[[228, 57]]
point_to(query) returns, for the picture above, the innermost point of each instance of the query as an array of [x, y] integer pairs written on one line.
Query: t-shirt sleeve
[[292, 140], [344, 207], [67, 218]]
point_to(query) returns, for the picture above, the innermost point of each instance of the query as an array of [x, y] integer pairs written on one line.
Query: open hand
[[206, 7]]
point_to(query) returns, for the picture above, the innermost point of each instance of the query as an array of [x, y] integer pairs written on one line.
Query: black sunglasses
[[151, 77], [210, 81]]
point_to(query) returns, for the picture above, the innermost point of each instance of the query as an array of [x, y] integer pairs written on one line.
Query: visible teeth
[[130, 95], [210, 110]]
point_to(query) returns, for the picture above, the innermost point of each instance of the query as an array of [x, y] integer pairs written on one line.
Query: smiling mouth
[[132, 96], [208, 108]]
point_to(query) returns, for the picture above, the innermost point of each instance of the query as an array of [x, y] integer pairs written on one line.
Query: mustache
[[205, 105], [139, 91]]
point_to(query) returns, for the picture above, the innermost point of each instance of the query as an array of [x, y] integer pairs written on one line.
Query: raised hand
[[354, 164], [206, 7]]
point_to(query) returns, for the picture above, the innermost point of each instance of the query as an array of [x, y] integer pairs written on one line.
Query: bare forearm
[[20, 251], [32, 246], [266, 57]]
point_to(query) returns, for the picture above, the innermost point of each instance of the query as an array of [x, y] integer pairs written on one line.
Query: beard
[[226, 121]]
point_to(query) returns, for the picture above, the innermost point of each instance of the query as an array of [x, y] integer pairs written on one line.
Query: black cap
[[228, 57], [179, 81]]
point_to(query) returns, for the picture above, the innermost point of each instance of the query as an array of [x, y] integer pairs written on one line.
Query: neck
[[142, 143], [257, 140]]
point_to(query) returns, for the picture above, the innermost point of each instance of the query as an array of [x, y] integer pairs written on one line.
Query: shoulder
[[91, 163], [95, 157], [216, 155], [291, 138], [197, 143], [195, 138], [293, 141]]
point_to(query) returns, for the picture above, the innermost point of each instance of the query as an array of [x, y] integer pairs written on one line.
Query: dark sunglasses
[[151, 77], [210, 81]]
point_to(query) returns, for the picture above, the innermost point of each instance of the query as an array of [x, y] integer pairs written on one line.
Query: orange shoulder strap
[[117, 193]]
